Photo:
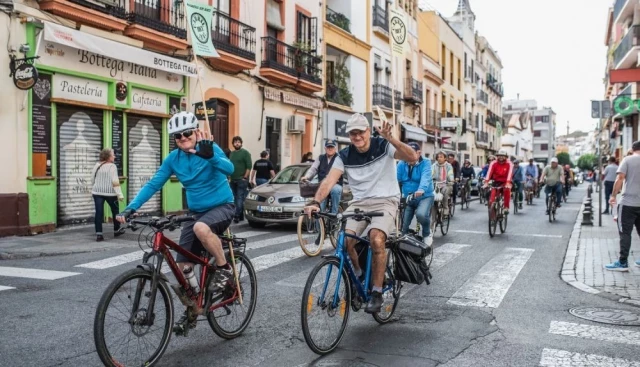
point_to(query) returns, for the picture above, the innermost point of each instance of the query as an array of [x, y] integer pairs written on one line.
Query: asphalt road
[[492, 302]]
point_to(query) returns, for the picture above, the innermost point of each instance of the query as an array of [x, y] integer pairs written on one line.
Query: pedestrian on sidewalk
[[609, 177], [629, 207], [241, 159], [106, 188]]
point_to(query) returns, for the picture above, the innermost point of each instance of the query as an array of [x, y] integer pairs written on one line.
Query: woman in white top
[[106, 187]]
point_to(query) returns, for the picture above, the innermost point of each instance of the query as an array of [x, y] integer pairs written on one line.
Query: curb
[[568, 273]]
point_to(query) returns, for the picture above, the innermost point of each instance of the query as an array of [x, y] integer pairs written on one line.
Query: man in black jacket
[[456, 173], [322, 166], [467, 172]]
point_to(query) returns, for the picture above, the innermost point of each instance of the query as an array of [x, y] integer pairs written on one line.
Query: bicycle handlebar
[[358, 215], [170, 221]]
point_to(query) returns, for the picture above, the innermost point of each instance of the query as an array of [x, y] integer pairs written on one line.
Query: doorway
[[273, 141], [220, 126]]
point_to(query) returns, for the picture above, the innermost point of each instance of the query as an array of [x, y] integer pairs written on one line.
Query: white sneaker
[[429, 241]]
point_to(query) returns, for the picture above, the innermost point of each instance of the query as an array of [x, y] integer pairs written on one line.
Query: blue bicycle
[[325, 302]]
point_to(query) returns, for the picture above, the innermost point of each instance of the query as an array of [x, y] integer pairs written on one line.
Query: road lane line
[[6, 271], [513, 234], [273, 241], [555, 357], [5, 288], [595, 332], [492, 282], [270, 260]]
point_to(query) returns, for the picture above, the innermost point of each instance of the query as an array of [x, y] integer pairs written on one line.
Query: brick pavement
[[598, 246]]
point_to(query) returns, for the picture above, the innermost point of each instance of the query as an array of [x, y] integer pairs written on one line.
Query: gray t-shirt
[[552, 175], [631, 168], [371, 174], [610, 172]]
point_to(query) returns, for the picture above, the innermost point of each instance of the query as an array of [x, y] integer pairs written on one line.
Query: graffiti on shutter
[[144, 158], [79, 145]]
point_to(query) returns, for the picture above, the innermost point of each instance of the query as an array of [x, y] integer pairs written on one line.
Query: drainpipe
[[261, 114]]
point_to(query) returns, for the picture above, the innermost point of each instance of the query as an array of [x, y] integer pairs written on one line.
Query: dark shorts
[[218, 219]]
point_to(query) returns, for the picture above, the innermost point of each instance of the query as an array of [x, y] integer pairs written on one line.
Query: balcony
[[494, 85], [339, 95], [482, 138], [482, 97], [626, 55], [380, 20], [492, 119], [284, 64], [110, 16], [433, 119], [623, 9], [161, 25], [382, 97], [235, 42], [338, 19], [412, 91]]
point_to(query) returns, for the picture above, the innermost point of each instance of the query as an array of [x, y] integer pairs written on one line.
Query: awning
[[414, 133], [102, 46]]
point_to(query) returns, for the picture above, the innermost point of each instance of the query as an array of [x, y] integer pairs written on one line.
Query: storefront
[[85, 101]]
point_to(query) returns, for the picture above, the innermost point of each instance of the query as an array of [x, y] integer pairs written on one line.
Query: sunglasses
[[354, 133], [186, 134]]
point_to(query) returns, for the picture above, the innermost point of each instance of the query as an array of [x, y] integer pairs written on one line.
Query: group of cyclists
[[376, 181]]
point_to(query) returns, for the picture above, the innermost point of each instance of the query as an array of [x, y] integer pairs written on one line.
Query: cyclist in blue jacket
[[415, 178]]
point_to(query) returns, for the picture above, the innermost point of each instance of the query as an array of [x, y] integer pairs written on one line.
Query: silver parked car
[[279, 200]]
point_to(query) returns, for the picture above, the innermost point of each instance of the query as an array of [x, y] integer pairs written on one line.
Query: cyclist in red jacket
[[500, 171]]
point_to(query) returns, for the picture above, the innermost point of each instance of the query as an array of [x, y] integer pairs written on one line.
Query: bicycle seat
[[239, 241]]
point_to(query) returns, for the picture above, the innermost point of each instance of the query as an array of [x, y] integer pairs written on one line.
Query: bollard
[[589, 191], [587, 217]]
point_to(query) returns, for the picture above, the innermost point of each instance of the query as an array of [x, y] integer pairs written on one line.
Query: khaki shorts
[[386, 223]]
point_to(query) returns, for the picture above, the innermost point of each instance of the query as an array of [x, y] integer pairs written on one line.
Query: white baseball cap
[[357, 121], [554, 160]]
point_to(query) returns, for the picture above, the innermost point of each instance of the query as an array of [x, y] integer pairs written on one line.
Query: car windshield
[[291, 175]]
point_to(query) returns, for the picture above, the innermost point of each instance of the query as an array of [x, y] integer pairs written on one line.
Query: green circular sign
[[623, 105]]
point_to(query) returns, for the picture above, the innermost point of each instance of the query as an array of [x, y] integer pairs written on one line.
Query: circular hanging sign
[[121, 91], [200, 27], [25, 76], [398, 30]]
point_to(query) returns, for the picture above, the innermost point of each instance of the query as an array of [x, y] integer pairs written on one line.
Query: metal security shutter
[[145, 157], [79, 145]]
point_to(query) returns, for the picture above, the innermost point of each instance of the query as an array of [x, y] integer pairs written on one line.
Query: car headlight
[[252, 197], [298, 199]]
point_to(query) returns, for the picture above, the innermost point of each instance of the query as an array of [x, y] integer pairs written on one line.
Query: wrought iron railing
[[482, 96], [339, 95], [162, 16], [382, 97], [482, 136], [338, 19], [116, 8], [413, 90], [233, 36], [433, 118], [380, 18], [494, 85], [291, 60], [628, 41]]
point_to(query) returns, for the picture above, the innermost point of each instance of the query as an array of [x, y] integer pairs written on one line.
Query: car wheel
[[253, 224]]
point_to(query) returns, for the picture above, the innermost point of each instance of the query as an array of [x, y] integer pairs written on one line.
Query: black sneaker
[[99, 238], [118, 233], [220, 279], [375, 303], [185, 323]]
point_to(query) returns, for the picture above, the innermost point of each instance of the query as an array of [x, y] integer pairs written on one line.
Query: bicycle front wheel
[[444, 222], [310, 234], [120, 325], [228, 318], [493, 220], [324, 318], [503, 223]]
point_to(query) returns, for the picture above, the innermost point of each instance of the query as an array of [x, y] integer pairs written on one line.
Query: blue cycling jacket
[[420, 179]]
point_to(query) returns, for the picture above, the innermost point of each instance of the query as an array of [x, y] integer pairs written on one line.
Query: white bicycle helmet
[[182, 121], [502, 153]]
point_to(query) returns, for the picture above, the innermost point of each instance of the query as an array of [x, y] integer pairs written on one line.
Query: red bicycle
[[138, 302], [496, 211]]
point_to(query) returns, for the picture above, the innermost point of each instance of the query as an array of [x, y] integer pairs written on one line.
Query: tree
[[564, 158], [587, 162]]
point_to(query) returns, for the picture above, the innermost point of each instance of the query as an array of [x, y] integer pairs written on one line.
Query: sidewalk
[[592, 247]]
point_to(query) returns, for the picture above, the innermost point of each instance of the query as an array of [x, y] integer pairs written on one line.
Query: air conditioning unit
[[296, 124]]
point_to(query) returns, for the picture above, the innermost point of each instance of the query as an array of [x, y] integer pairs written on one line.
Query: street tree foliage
[[564, 158], [587, 162]]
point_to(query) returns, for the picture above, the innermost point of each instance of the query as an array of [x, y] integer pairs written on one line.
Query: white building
[[544, 131], [517, 139]]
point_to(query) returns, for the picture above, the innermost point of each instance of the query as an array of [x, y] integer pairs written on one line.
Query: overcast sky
[[552, 51]]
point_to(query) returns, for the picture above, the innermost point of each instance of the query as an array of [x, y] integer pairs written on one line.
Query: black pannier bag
[[308, 189], [410, 265]]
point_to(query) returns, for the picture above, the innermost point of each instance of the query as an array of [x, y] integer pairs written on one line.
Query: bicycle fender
[[150, 268]]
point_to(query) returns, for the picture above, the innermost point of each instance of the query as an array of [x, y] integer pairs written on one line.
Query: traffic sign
[[601, 109]]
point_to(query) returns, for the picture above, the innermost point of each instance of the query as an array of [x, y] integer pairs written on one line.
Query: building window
[[465, 66], [537, 133], [307, 31], [544, 147], [377, 68]]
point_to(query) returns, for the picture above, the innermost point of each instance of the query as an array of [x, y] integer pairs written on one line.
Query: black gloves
[[206, 149], [127, 213]]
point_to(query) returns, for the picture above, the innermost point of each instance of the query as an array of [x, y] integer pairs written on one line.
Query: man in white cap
[[369, 163], [554, 175]]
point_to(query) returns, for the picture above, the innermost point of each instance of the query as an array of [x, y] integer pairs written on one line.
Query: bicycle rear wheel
[[318, 305], [493, 220], [452, 208], [514, 201], [390, 292], [132, 290], [310, 234], [503, 223], [229, 318]]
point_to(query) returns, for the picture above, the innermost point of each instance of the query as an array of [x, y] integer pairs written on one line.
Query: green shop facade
[[85, 101]]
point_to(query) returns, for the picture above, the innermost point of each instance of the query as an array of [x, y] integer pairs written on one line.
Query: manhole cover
[[607, 315]]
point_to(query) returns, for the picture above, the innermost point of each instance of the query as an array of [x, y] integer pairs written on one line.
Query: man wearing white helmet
[[501, 172], [202, 168], [555, 179]]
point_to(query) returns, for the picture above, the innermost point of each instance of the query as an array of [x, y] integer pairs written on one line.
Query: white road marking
[[5, 288], [6, 271], [492, 282], [267, 261], [113, 261], [273, 241], [595, 332], [555, 358], [512, 234], [250, 234]]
